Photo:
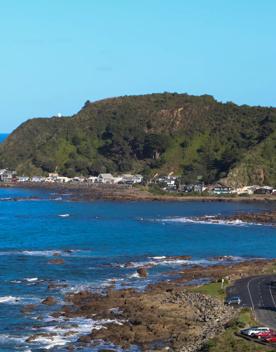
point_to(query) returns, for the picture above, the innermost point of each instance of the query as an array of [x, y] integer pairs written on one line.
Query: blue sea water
[[102, 243], [3, 136]]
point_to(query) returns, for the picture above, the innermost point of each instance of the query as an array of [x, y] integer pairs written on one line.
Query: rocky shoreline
[[268, 217], [91, 192], [161, 318], [168, 316]]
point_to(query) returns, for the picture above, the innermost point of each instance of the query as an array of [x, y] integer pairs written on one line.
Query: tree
[[155, 144]]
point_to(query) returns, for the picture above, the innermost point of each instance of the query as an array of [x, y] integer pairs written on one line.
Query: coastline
[[82, 294], [167, 316], [91, 192]]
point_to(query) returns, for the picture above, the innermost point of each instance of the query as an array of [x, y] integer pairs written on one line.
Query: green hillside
[[194, 136]]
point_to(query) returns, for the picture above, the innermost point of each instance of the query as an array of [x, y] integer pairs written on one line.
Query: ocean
[[3, 136], [102, 243]]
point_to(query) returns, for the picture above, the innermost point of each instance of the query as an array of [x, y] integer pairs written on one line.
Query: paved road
[[256, 292]]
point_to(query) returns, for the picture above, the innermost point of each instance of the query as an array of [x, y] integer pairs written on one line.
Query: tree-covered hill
[[194, 136]]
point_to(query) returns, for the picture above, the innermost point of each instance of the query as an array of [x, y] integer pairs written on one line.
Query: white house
[[138, 178], [38, 179], [117, 179], [7, 175], [105, 178], [23, 179], [131, 179], [92, 179], [63, 179]]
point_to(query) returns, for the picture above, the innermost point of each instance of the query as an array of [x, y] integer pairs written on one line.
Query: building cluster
[[173, 183], [8, 176], [167, 183]]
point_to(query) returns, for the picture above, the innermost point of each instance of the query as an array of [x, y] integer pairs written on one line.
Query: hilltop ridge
[[193, 136]]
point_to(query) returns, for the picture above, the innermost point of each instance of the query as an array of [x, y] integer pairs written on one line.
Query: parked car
[[254, 330], [265, 334], [233, 300], [270, 339]]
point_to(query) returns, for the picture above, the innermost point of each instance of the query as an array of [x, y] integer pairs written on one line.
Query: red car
[[270, 339], [265, 334]]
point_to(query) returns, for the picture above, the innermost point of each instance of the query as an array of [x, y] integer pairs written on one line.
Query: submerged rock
[[56, 261], [142, 272], [28, 308], [56, 254], [54, 286], [49, 301]]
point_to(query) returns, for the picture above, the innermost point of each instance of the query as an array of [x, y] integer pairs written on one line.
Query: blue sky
[[56, 54]]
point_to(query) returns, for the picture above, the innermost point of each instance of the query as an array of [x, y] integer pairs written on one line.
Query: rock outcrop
[[164, 316]]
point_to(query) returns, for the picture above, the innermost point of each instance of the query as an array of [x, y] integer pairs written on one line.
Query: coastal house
[[248, 190], [199, 187], [264, 190], [23, 179], [78, 179], [7, 176], [138, 178], [92, 179], [105, 178], [193, 187], [167, 182], [117, 179], [220, 189], [38, 179], [63, 179], [131, 179]]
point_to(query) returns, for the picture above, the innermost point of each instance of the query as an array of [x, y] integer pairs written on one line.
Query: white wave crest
[[68, 330], [19, 300], [31, 279], [208, 220], [9, 299]]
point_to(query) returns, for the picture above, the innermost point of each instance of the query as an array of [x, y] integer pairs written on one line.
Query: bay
[[102, 243]]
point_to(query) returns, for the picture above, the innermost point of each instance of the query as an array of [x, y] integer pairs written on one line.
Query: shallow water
[[101, 241]]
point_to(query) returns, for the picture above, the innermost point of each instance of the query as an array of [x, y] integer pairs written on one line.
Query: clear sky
[[56, 54]]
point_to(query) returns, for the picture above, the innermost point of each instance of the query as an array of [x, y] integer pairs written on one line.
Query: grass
[[228, 341], [270, 268], [212, 289]]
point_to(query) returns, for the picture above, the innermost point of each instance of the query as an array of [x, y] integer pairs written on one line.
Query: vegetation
[[213, 289], [194, 136], [229, 342]]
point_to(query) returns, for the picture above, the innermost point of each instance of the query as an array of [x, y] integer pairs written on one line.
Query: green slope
[[194, 136]]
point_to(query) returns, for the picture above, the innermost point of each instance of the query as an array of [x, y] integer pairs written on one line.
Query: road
[[256, 292]]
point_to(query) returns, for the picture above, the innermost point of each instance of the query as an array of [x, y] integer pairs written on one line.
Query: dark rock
[[56, 261], [32, 338], [56, 254], [56, 286], [49, 301], [85, 339], [28, 308], [142, 272]]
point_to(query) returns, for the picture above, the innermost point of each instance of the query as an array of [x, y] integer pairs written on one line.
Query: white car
[[254, 330]]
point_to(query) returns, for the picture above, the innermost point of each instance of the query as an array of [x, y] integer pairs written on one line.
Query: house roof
[[105, 176]]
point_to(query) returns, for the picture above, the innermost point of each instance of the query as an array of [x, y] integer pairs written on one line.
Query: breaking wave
[[65, 331], [50, 252], [19, 300], [207, 220]]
